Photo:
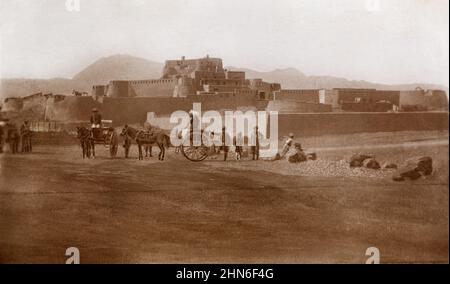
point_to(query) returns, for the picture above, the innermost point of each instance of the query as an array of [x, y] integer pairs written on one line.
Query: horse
[[86, 141], [142, 137], [148, 147]]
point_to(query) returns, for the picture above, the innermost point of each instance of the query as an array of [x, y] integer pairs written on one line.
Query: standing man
[[237, 141], [255, 148], [225, 148], [126, 146], [96, 123], [13, 138], [1, 135], [25, 137], [96, 118]]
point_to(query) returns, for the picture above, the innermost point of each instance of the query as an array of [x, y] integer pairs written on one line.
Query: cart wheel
[[195, 153]]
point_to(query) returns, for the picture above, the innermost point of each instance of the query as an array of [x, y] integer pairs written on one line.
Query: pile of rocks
[[324, 168]]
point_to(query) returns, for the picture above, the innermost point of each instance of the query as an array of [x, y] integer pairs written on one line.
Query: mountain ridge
[[127, 67]]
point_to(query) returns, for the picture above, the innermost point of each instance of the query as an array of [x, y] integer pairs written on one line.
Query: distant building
[[420, 99], [204, 80], [360, 100], [185, 77]]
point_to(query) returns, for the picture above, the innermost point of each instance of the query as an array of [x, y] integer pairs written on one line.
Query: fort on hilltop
[[205, 80], [185, 77]]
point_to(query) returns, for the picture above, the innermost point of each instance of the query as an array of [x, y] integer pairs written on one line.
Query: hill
[[119, 67], [291, 78], [126, 67]]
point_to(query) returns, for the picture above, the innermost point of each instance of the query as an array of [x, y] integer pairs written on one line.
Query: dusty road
[[130, 211]]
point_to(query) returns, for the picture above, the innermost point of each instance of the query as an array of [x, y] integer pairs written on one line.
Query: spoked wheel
[[195, 153]]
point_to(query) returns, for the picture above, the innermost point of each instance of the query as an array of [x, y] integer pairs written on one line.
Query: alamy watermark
[[374, 255], [73, 5], [73, 254], [233, 128]]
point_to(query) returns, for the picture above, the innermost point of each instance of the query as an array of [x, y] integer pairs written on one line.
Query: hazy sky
[[386, 41]]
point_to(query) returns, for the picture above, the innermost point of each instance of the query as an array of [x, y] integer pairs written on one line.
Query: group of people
[[298, 156], [9, 133], [254, 150], [238, 142]]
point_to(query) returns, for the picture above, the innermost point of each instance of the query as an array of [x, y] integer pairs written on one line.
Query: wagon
[[105, 136]]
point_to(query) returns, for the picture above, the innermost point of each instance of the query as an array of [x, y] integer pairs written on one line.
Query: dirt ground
[[128, 211]]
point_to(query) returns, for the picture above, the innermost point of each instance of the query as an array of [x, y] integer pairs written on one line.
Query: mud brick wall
[[134, 110], [71, 108], [313, 124]]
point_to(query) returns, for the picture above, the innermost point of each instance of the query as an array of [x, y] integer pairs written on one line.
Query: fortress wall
[[291, 106], [152, 88], [345, 123], [34, 101], [222, 88], [117, 89], [134, 110], [185, 87], [236, 75], [223, 101], [432, 99], [261, 104], [299, 95], [437, 100], [71, 108], [98, 90], [367, 107], [367, 95], [12, 104]]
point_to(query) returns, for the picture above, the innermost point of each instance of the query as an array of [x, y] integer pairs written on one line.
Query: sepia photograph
[[249, 132]]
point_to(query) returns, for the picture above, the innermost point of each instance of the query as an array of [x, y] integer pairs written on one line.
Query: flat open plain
[[128, 211]]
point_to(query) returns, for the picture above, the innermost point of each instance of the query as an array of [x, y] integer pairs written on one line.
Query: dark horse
[[86, 141], [143, 137]]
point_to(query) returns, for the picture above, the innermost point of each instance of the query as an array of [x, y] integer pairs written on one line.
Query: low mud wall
[[315, 124]]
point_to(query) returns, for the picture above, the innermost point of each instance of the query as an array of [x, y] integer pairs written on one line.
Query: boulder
[[414, 169], [371, 164], [357, 160], [425, 165], [406, 172]]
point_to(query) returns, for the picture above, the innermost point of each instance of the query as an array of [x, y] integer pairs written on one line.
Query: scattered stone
[[357, 160], [371, 164]]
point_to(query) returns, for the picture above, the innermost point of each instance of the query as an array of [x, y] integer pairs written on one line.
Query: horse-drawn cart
[[104, 135]]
